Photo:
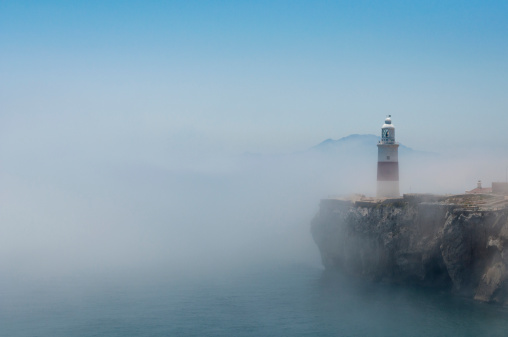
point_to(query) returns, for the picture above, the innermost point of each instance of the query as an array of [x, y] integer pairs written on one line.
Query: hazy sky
[[121, 122], [176, 78]]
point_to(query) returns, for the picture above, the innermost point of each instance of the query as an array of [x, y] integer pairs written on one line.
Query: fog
[[79, 204], [149, 145], [81, 199]]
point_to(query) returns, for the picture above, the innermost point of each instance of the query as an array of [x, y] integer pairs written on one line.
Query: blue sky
[[172, 78]]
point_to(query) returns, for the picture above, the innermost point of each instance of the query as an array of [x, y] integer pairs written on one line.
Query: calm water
[[289, 301]]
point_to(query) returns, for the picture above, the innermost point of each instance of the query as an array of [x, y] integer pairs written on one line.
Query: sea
[[278, 300]]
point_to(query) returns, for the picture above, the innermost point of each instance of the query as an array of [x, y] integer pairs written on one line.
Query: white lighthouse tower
[[388, 162]]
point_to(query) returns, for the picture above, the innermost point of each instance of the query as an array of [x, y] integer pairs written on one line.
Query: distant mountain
[[351, 142], [354, 144], [358, 144]]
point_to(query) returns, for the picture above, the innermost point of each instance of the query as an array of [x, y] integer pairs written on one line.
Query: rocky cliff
[[451, 242]]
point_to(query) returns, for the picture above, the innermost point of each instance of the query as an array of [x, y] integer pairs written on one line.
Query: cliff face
[[413, 241]]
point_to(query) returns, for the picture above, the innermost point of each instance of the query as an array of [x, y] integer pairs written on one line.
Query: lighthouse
[[387, 162]]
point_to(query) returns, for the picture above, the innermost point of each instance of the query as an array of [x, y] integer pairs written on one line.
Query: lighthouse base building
[[388, 162]]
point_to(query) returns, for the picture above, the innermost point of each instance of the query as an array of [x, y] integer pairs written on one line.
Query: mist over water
[[291, 300], [63, 214], [69, 206], [159, 168], [125, 238]]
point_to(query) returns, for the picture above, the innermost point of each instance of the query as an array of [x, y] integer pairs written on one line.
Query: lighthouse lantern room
[[388, 162]]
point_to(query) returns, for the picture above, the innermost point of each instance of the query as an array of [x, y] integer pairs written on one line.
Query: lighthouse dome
[[388, 123]]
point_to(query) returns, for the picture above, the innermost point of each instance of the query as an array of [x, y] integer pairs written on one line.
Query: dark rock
[[416, 241]]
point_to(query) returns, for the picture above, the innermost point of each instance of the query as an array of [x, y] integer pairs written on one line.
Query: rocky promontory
[[451, 242]]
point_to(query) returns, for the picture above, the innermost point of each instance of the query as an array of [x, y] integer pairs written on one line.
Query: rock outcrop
[[454, 242]]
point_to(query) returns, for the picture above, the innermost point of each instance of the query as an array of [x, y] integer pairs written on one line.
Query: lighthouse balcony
[[388, 141]]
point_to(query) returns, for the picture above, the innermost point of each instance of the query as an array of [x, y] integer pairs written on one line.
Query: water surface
[[296, 300]]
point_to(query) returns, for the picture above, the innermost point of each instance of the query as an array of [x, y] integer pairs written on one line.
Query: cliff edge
[[451, 242]]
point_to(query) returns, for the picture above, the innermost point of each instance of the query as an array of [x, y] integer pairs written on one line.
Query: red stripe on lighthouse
[[387, 171]]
